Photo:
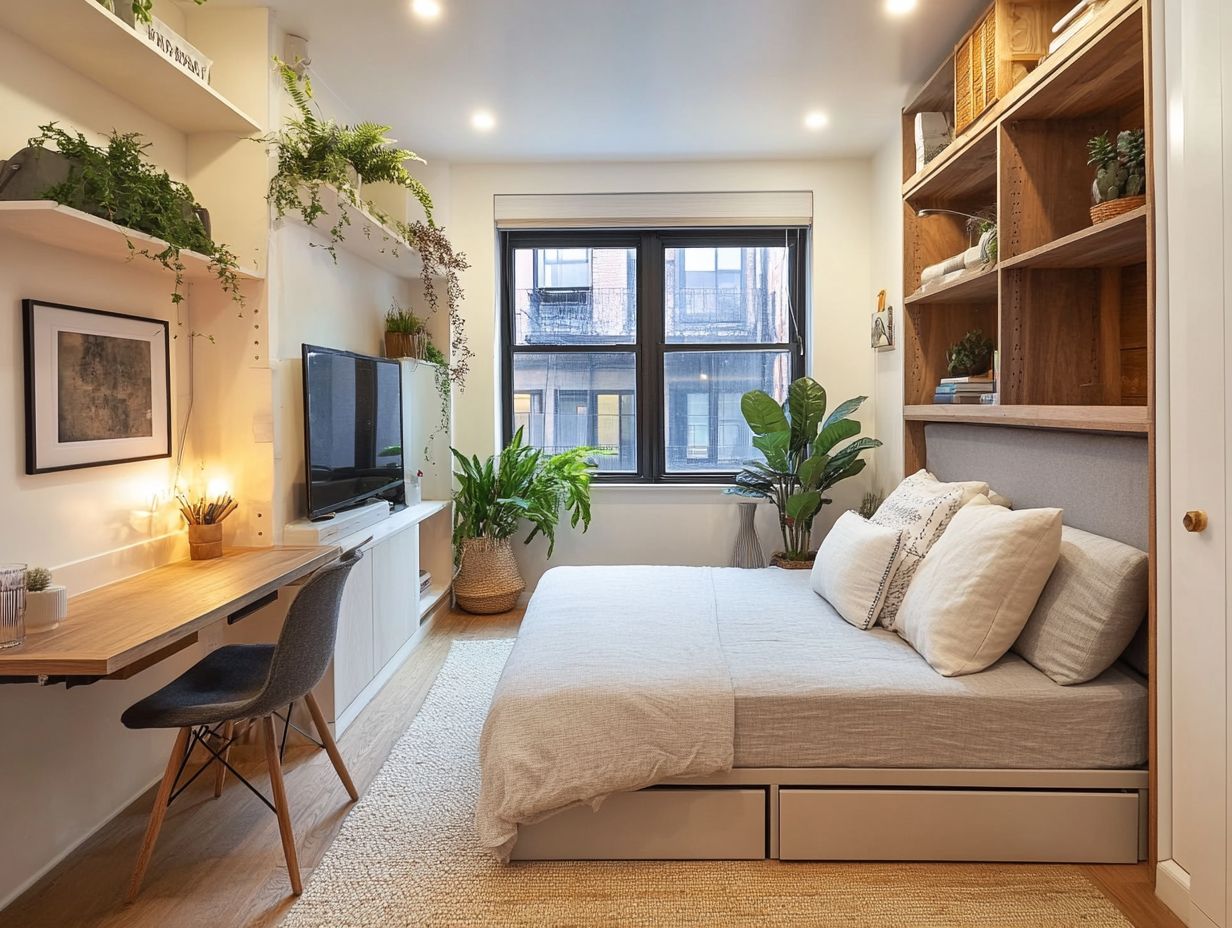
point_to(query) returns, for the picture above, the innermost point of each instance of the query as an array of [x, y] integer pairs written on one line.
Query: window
[[643, 343]]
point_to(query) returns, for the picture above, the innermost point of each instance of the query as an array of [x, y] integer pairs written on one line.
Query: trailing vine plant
[[142, 10], [120, 184], [313, 152]]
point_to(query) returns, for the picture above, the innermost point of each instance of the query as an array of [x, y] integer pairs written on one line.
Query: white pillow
[[920, 508], [853, 568], [975, 591]]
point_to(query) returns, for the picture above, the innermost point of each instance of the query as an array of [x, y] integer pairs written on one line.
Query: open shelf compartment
[[85, 37]]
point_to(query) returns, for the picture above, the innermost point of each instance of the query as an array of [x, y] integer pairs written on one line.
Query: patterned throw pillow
[[920, 509]]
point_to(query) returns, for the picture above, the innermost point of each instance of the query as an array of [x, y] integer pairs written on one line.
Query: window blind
[[654, 210]]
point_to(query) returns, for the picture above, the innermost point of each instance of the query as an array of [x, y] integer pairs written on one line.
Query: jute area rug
[[407, 856]]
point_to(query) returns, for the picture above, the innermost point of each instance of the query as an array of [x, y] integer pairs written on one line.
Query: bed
[[683, 713]]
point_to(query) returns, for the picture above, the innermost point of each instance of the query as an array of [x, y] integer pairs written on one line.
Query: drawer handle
[[1194, 521]]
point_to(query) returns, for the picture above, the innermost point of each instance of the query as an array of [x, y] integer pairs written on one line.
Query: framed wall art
[[98, 387]]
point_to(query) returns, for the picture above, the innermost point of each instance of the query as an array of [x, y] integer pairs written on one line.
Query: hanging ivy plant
[[120, 184], [143, 9], [313, 152]]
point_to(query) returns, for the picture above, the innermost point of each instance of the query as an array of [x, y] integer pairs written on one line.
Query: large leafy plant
[[521, 483], [119, 183], [803, 460]]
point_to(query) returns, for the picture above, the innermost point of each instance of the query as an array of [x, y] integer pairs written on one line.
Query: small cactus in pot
[[1120, 173], [46, 602]]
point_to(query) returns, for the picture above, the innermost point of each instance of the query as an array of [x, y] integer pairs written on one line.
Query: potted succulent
[[1120, 173], [46, 602], [405, 336], [802, 460], [491, 502], [970, 356]]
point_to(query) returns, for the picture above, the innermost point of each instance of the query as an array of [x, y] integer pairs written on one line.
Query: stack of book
[[425, 581], [961, 391]]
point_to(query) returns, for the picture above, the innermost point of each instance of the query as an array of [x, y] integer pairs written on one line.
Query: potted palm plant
[[798, 442], [491, 502]]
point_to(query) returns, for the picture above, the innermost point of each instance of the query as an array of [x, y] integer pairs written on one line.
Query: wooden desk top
[[114, 626]]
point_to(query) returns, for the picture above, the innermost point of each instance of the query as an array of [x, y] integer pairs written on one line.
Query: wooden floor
[[219, 862]]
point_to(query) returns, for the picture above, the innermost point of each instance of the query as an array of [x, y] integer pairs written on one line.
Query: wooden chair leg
[[280, 802], [331, 746], [158, 813], [220, 775]]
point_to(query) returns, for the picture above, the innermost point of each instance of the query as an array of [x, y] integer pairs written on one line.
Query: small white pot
[[46, 609]]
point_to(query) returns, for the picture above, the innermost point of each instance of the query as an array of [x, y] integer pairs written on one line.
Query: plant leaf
[[843, 410], [774, 446], [806, 401], [803, 506], [762, 413], [832, 434]]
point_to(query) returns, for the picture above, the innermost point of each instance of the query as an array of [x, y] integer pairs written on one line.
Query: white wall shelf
[[60, 226], [366, 237], [91, 41]]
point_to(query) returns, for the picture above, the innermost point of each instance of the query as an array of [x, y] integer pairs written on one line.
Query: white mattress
[[813, 691]]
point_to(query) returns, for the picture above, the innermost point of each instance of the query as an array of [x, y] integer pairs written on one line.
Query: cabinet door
[[353, 666], [395, 582], [1200, 234]]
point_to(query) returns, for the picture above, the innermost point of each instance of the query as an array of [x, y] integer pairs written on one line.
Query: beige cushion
[[973, 594], [1089, 611], [853, 568], [919, 508]]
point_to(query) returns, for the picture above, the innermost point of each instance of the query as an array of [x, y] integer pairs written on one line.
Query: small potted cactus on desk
[[46, 602]]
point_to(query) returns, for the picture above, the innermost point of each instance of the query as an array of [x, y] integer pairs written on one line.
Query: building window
[[643, 343]]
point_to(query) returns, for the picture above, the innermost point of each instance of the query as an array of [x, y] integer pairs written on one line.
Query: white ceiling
[[628, 79]]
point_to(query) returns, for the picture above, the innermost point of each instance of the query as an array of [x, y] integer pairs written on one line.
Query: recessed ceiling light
[[483, 121], [900, 7], [816, 120], [426, 9]]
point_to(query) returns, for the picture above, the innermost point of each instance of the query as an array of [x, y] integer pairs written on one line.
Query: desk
[[119, 629]]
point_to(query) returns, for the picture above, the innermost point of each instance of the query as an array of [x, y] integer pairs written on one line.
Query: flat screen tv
[[352, 429]]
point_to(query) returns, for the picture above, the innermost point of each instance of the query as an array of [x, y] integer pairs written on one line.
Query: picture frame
[[98, 387], [881, 335]]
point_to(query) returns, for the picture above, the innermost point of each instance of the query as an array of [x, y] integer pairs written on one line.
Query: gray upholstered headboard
[[1101, 480]]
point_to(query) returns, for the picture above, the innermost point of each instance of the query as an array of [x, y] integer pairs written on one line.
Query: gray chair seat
[[216, 689]]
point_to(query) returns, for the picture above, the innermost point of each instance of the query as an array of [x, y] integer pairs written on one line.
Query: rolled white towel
[[973, 257], [941, 268]]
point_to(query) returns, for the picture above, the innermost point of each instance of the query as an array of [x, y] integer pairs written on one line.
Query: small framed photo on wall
[[882, 335], [98, 387]]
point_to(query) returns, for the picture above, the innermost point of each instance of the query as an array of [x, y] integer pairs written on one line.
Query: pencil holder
[[205, 541]]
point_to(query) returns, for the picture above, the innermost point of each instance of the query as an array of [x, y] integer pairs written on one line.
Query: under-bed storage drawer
[[1009, 825], [654, 824]]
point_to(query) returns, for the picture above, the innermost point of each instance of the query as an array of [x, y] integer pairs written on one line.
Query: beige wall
[[660, 524]]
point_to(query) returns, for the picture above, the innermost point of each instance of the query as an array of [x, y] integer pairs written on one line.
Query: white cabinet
[[395, 594], [353, 651]]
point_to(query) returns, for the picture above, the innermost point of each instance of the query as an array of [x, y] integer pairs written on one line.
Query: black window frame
[[651, 347]]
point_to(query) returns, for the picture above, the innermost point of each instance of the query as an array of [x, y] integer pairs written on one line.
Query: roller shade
[[653, 210]]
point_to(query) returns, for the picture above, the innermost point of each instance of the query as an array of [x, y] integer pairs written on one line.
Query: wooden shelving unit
[[50, 223], [90, 40], [1070, 304], [366, 236]]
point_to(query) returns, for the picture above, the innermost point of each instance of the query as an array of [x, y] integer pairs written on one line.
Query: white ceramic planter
[[46, 609]]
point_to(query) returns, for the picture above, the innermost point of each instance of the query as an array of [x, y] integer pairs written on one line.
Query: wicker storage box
[[975, 71]]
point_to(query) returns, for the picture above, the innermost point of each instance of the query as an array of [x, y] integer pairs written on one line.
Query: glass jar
[[12, 605]]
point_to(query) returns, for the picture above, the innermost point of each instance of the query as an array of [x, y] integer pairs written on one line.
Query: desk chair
[[242, 682]]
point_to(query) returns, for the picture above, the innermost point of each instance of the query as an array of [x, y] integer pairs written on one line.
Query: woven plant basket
[[1110, 209], [779, 559], [489, 580]]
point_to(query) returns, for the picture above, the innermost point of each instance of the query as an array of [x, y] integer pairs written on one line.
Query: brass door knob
[[1194, 521]]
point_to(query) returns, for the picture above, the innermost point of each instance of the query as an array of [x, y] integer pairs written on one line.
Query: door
[[1199, 154], [353, 665]]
